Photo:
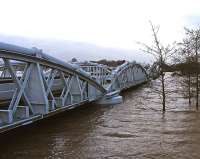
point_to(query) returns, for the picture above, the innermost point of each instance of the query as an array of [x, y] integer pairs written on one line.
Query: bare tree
[[161, 55], [193, 42], [186, 56]]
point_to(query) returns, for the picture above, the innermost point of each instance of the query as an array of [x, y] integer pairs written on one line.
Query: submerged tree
[[161, 55], [186, 56], [193, 45]]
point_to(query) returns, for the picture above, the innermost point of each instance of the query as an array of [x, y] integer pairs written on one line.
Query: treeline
[[110, 63], [182, 57], [183, 67]]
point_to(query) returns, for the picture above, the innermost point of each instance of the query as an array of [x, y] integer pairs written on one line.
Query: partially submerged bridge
[[34, 85]]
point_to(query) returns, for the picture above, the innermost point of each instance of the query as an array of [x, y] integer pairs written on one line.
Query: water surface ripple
[[134, 129]]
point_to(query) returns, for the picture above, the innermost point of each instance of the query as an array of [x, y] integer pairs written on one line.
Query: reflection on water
[[134, 129]]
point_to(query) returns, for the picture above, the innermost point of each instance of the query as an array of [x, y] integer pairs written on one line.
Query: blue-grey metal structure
[[127, 75], [34, 85]]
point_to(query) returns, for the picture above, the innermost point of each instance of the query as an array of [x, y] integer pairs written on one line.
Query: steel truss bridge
[[34, 85]]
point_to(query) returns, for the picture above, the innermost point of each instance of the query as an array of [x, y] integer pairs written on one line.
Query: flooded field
[[134, 129]]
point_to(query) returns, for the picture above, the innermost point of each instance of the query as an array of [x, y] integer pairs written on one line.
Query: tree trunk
[[189, 89], [197, 75], [197, 90], [163, 90]]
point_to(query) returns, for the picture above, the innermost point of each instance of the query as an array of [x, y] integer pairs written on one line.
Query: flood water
[[134, 129]]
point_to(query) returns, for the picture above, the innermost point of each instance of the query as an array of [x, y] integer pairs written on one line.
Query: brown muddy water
[[134, 129]]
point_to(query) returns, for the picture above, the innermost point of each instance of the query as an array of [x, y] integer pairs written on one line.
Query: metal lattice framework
[[35, 83], [101, 73], [127, 75]]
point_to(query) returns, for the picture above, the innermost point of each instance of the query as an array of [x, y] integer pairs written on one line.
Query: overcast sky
[[108, 23]]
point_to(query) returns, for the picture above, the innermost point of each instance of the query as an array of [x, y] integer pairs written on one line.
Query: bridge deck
[[35, 118]]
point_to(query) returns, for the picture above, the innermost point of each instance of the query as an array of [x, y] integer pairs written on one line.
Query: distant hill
[[66, 50]]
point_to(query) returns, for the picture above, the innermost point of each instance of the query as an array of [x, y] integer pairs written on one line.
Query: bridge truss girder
[[127, 75], [41, 84]]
